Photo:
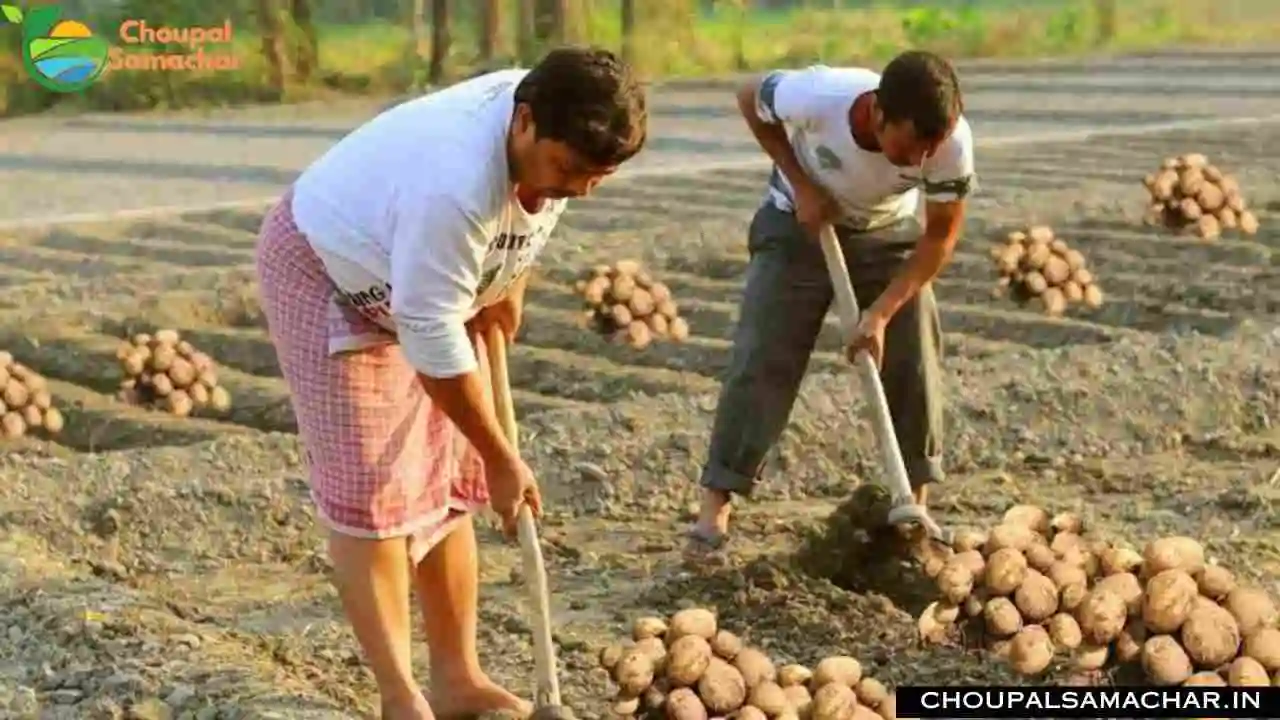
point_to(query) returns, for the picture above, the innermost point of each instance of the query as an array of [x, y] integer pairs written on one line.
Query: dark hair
[[922, 88], [590, 100]]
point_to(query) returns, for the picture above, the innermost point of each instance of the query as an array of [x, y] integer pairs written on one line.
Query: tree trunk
[[490, 30], [272, 44], [629, 30], [527, 35], [550, 19], [419, 42], [1106, 11], [306, 48], [439, 40]]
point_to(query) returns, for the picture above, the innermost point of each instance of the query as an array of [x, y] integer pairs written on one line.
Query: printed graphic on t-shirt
[[373, 302]]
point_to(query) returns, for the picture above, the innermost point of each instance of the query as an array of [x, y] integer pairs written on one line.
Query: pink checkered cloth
[[384, 462]]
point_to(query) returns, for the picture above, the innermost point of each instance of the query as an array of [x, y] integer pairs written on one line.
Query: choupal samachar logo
[[60, 55]]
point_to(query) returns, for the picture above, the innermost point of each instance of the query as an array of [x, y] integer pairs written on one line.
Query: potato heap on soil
[[1034, 587], [26, 405], [1035, 265], [624, 301], [688, 668], [1188, 192], [165, 371]]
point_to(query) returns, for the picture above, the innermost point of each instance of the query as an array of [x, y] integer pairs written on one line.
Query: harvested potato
[[1102, 616], [648, 627], [789, 675], [1031, 650], [966, 540], [1210, 636], [755, 666], [687, 659], [1064, 631], [699, 622], [1008, 536], [1006, 569], [631, 306], [1168, 600], [1244, 671], [839, 669], [726, 645], [625, 706], [973, 560], [1252, 608], [1090, 656], [1263, 645], [1001, 617], [1127, 586], [684, 704], [633, 672], [653, 646], [769, 697], [871, 692], [955, 581], [1172, 553], [1040, 558], [1068, 523], [1064, 574], [1164, 661], [889, 708], [862, 712], [1036, 598], [1128, 644], [799, 698], [833, 701], [722, 688], [1215, 582], [1205, 679], [747, 712], [1118, 560], [1032, 517]]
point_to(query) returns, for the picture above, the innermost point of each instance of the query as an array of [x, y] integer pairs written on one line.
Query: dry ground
[[174, 568]]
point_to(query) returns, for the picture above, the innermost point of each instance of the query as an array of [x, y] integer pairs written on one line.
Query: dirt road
[[56, 167], [153, 567]]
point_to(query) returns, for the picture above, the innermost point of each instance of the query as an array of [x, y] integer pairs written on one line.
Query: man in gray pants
[[851, 148]]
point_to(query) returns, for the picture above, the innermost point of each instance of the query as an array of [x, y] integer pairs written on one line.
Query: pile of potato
[[26, 404], [688, 668], [1188, 192], [1035, 587], [1035, 265], [623, 300], [165, 371]]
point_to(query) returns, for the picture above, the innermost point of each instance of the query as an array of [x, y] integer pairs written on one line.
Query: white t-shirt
[[814, 105], [420, 199]]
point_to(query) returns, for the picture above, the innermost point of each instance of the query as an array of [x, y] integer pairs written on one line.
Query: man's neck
[[862, 122]]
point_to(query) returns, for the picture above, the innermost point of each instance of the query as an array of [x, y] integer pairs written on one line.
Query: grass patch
[[376, 57]]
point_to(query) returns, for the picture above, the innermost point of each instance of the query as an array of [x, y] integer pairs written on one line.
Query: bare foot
[[475, 696], [416, 709]]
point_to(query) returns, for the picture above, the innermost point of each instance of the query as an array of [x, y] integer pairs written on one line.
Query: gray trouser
[[787, 295]]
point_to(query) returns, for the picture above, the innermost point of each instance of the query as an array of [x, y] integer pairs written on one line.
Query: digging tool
[[547, 702], [905, 511]]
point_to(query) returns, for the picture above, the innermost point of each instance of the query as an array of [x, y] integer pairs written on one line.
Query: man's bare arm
[[943, 224]]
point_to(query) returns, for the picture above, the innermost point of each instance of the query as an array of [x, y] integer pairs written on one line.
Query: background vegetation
[[302, 49]]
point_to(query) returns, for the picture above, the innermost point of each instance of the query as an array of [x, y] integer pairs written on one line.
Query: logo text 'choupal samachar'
[[65, 55]]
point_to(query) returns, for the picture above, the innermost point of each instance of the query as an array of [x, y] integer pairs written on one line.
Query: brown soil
[[174, 568]]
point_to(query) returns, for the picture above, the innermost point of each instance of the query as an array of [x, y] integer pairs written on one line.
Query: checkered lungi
[[383, 460]]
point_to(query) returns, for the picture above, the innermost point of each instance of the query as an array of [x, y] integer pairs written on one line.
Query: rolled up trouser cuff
[[716, 476], [925, 471]]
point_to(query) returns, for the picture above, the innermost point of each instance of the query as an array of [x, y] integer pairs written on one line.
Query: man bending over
[[854, 149], [379, 271]]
